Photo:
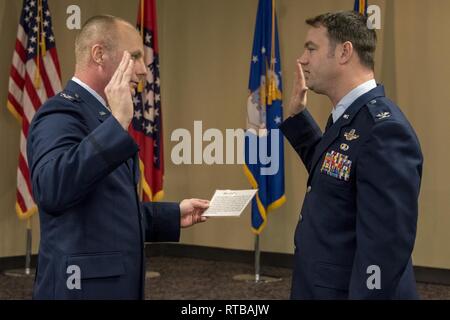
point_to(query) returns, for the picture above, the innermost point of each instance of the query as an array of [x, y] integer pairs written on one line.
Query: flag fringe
[[14, 112], [27, 214], [272, 206], [159, 195]]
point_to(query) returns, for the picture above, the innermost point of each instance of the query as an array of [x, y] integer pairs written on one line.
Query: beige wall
[[205, 46]]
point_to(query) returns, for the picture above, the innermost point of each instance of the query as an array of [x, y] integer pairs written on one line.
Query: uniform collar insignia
[[70, 97], [66, 96], [383, 115]]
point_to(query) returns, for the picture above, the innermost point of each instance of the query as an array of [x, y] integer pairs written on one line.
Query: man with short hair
[[357, 227], [84, 172]]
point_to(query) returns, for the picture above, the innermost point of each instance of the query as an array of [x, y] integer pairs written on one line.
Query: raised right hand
[[118, 91], [299, 92]]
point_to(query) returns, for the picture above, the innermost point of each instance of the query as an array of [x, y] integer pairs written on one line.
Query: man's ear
[[97, 52], [346, 52]]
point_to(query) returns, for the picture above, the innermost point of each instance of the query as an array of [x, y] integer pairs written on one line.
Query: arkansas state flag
[[146, 127]]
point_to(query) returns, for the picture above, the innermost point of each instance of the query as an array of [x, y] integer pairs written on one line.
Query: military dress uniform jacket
[[357, 226], [84, 173]]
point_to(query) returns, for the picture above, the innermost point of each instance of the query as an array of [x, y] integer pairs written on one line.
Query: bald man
[[84, 172]]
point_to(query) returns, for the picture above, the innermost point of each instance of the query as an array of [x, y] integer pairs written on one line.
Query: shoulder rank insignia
[[349, 136], [336, 165], [68, 96], [383, 115]]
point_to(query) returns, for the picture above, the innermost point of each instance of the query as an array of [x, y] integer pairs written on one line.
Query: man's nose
[[141, 69], [303, 59]]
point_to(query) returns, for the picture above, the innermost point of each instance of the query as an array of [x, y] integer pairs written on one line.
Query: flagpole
[[28, 271], [257, 256], [28, 248], [256, 277], [140, 87]]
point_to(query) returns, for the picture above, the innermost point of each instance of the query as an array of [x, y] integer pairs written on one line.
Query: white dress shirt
[[351, 97], [91, 91]]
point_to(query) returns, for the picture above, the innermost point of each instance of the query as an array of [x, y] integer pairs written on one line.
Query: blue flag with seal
[[360, 6], [264, 152]]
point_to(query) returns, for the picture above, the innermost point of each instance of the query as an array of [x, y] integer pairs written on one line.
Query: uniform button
[[300, 218], [308, 190]]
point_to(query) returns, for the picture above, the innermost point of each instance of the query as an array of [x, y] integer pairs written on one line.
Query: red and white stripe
[[24, 99]]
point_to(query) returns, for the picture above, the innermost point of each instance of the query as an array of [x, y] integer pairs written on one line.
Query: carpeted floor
[[192, 279]]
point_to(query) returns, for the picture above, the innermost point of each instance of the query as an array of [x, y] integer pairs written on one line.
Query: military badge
[[344, 147], [383, 115], [67, 96], [70, 97], [337, 165], [349, 136]]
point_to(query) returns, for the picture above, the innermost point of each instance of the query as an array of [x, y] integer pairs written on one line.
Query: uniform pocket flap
[[333, 276], [99, 265]]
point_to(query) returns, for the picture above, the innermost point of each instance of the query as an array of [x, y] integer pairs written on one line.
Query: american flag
[[35, 76], [146, 126]]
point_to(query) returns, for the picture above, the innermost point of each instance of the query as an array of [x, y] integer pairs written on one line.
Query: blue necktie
[[329, 122]]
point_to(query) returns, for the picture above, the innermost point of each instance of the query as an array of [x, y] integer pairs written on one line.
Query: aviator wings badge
[[349, 136]]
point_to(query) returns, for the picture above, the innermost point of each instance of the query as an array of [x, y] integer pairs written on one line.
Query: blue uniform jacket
[[357, 226], [84, 173]]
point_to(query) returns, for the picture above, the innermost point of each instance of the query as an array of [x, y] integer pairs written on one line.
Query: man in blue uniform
[[84, 171], [357, 227]]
